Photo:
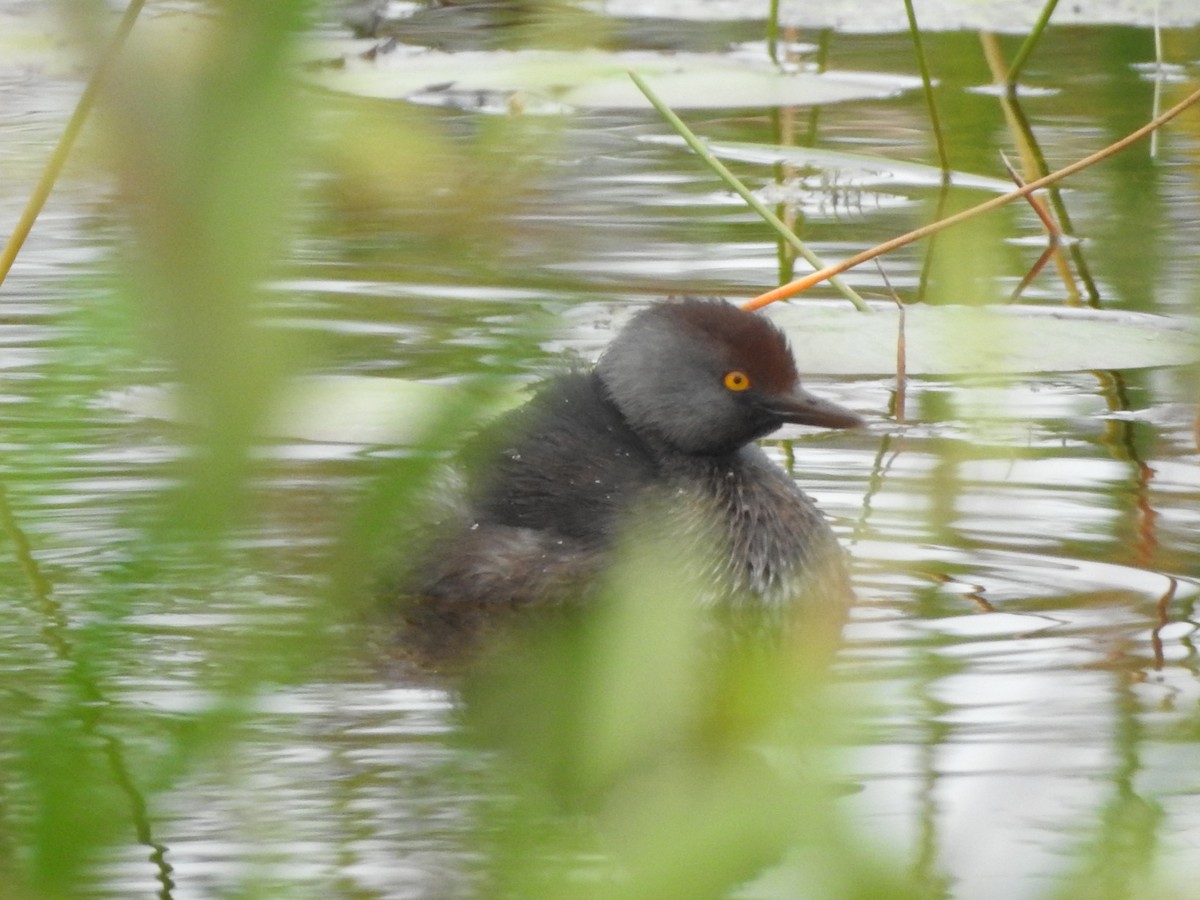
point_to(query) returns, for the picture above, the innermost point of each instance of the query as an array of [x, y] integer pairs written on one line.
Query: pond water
[[1026, 548]]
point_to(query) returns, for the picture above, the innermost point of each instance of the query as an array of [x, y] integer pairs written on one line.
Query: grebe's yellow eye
[[737, 380]]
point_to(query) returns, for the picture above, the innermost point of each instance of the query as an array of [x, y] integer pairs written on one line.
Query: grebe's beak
[[802, 408]]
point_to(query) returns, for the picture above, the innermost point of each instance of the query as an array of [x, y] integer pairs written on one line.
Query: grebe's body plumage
[[663, 428]]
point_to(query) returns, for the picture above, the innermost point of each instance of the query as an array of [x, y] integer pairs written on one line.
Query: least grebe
[[664, 423]]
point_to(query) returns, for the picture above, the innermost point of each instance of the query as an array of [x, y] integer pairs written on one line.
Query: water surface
[[1025, 548]]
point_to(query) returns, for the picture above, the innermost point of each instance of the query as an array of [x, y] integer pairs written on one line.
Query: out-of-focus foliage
[[207, 132], [635, 759]]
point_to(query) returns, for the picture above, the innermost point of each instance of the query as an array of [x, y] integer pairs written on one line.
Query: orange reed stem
[[802, 284]]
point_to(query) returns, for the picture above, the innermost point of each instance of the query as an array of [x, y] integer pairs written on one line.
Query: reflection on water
[[1024, 550]]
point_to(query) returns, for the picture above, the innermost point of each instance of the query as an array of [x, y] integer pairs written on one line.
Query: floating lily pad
[[554, 80], [952, 340], [340, 409], [880, 16], [828, 339], [860, 169]]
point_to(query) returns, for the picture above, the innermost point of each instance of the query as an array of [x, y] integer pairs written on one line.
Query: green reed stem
[[1031, 41], [39, 585], [773, 32], [935, 121], [742, 191]]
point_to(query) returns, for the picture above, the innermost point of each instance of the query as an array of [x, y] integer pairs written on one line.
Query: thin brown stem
[[1053, 233], [1034, 163], [901, 350]]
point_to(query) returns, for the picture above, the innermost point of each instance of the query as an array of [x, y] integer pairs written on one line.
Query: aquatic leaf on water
[[349, 409], [833, 339], [860, 169], [828, 339], [556, 81], [882, 16]]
